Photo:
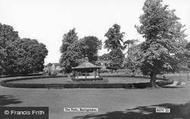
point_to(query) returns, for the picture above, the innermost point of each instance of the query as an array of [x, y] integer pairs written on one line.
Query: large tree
[[31, 55], [70, 50], [164, 39], [7, 36], [20, 56], [25, 56], [114, 42], [90, 46]]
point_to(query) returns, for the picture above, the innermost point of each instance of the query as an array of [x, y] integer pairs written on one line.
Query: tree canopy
[[185, 58], [105, 57], [132, 60], [114, 38], [117, 58], [73, 49], [20, 56], [114, 42], [164, 39], [31, 55], [70, 50], [90, 46]]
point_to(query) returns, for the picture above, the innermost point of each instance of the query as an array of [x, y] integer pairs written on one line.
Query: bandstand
[[86, 71]]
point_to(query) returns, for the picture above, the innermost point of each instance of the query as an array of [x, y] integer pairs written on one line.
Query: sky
[[48, 20]]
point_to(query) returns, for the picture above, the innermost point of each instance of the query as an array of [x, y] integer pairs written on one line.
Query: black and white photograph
[[94, 59]]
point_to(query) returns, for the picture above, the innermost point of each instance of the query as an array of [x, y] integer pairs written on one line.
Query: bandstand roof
[[87, 65]]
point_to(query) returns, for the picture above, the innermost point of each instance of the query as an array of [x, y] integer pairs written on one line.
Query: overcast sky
[[48, 20]]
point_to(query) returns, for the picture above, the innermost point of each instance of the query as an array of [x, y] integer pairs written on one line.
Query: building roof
[[86, 65]]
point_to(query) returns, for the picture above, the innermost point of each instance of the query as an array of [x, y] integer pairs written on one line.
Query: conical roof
[[86, 65]]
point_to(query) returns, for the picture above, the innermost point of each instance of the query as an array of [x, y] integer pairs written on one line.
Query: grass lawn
[[66, 80], [112, 103]]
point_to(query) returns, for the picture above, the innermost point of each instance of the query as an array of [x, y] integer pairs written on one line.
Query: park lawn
[[62, 80], [110, 102]]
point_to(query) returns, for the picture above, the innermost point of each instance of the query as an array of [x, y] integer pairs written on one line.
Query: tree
[[131, 61], [31, 56], [185, 62], [117, 58], [164, 39], [70, 51], [114, 42], [114, 38], [7, 36], [74, 50], [105, 57], [20, 56], [129, 43], [90, 46], [25, 56], [68, 39]]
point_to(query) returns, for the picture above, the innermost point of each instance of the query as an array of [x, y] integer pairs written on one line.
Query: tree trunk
[[153, 80]]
